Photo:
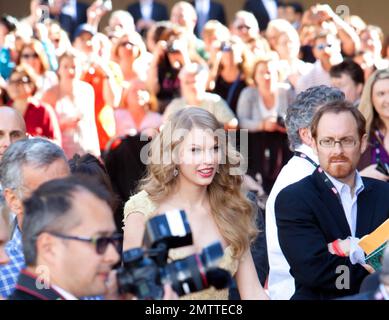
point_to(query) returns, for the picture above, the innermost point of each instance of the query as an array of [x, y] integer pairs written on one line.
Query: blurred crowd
[[104, 91], [84, 85]]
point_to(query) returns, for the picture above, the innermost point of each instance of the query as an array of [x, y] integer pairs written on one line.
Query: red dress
[[42, 121]]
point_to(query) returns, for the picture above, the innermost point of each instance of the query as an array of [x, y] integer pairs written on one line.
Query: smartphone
[[107, 5]]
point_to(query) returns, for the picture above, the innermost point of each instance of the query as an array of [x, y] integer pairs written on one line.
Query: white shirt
[[350, 209], [202, 6], [271, 8], [63, 293], [281, 283], [316, 77], [70, 8], [146, 8], [383, 291]]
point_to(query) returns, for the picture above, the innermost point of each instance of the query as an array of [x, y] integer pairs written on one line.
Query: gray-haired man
[[298, 121], [24, 167]]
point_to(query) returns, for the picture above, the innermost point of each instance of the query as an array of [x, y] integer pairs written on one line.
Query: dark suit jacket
[[69, 24], [259, 10], [309, 216], [158, 13], [216, 12], [26, 289]]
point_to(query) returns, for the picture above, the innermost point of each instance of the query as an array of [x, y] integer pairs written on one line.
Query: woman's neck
[[21, 105], [230, 74], [66, 87], [127, 69], [385, 129], [138, 113], [194, 99], [190, 194]]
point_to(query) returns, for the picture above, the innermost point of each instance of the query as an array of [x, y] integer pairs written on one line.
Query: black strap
[[304, 156], [329, 184], [27, 284], [326, 180]]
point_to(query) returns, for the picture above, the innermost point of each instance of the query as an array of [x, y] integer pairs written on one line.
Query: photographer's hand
[[169, 293]]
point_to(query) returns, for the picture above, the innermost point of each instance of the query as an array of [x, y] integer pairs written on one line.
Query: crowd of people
[[271, 132]]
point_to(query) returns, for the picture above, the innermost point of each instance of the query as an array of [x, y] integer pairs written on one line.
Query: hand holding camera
[[146, 270]]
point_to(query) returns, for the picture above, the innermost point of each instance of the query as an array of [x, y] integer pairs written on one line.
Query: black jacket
[[158, 13], [216, 12], [259, 10], [70, 24], [309, 216], [27, 289]]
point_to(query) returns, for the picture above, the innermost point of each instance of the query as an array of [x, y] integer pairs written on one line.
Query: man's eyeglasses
[[101, 243], [347, 142], [28, 56]]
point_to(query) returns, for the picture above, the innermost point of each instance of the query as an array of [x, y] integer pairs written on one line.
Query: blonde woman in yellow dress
[[191, 167]]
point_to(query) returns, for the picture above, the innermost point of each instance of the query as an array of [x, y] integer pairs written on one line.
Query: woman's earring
[[175, 172]]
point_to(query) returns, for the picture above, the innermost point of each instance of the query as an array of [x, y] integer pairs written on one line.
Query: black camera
[[174, 46], [225, 47], [281, 121], [146, 270], [383, 168]]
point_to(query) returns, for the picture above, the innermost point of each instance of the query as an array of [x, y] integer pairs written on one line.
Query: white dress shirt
[[202, 9], [146, 8], [63, 293], [70, 8], [202, 6], [281, 283], [271, 8], [350, 206]]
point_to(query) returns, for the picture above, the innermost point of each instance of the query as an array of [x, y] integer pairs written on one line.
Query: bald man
[[12, 128]]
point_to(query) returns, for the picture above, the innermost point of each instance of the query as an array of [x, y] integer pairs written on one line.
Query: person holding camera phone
[[203, 178], [374, 106]]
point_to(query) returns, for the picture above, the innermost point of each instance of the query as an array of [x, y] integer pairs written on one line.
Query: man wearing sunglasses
[[327, 51], [69, 241]]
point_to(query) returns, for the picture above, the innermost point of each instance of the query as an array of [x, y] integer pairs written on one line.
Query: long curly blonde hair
[[232, 211]]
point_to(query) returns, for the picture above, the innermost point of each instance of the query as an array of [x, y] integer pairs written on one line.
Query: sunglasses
[[126, 43], [323, 46], [28, 56], [243, 26], [19, 81], [101, 243]]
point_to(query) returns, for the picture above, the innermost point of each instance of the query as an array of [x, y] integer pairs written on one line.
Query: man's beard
[[339, 170]]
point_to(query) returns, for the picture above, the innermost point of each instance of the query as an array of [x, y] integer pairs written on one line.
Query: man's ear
[[314, 146], [14, 203], [364, 141], [305, 136], [45, 248]]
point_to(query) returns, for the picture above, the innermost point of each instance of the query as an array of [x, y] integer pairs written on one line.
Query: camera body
[[145, 271], [225, 47], [383, 168]]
